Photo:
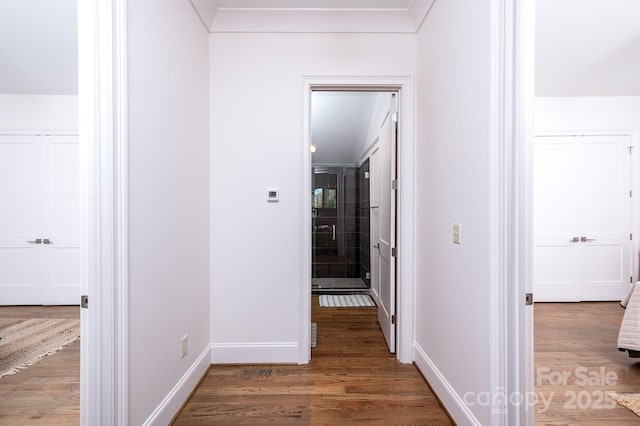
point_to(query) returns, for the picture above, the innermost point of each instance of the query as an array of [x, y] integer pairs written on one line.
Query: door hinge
[[630, 150], [631, 237], [394, 252], [394, 319], [394, 117], [84, 301], [528, 299], [394, 184], [630, 193], [631, 280]]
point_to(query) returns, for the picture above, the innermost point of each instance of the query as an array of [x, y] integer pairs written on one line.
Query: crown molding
[[305, 20]]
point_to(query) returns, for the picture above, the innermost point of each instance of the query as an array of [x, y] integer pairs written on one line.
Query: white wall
[[168, 205], [452, 342], [38, 112], [587, 113], [257, 141]]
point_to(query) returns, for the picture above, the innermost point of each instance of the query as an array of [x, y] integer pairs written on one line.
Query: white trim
[[40, 132], [404, 84], [103, 149], [508, 112], [498, 210], [458, 410], [520, 316], [178, 395], [255, 352]]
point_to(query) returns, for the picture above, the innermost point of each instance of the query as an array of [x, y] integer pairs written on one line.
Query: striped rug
[[345, 301], [26, 341]]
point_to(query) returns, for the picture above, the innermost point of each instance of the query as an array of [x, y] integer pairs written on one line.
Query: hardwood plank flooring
[[352, 379], [584, 335], [48, 392]]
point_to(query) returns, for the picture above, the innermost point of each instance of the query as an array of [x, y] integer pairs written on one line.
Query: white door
[[383, 171], [39, 220], [582, 218]]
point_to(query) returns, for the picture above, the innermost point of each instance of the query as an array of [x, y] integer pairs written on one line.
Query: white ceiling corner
[[206, 9], [331, 16]]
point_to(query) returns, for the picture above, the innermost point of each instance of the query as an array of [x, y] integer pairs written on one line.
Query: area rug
[[25, 341], [628, 400], [345, 301]]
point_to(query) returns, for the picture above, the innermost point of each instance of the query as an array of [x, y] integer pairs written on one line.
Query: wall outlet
[[184, 346]]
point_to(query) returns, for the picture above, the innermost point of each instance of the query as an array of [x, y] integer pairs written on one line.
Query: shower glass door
[[335, 234]]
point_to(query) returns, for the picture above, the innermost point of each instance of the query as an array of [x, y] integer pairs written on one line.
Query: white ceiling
[[340, 125], [583, 47], [350, 16], [588, 48], [38, 47]]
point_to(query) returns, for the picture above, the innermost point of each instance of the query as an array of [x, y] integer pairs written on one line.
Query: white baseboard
[[448, 396], [168, 408], [255, 353]]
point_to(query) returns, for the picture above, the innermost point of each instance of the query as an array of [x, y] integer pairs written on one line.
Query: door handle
[[377, 246], [334, 232], [47, 241], [586, 240], [36, 241], [575, 240]]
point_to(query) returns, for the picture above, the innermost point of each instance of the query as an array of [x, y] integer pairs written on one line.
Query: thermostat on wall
[[273, 194]]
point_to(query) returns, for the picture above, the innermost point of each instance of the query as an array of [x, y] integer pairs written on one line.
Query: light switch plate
[[457, 233]]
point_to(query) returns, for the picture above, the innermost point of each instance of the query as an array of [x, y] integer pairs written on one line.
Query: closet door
[[39, 220], [582, 217]]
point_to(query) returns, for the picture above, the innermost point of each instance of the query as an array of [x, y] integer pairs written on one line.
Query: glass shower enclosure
[[337, 213]]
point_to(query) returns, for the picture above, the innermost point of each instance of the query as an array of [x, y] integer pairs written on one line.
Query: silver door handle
[[36, 241], [334, 232], [575, 240], [47, 241], [374, 207], [586, 240]]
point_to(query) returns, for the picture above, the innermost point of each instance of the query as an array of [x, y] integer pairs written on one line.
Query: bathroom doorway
[[353, 199]]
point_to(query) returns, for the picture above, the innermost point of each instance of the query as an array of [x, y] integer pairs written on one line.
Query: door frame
[[102, 99], [405, 280]]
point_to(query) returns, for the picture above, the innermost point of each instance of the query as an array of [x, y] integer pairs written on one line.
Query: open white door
[[582, 217], [383, 222], [40, 220]]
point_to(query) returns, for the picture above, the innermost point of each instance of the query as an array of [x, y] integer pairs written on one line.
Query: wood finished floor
[[567, 336], [582, 335], [352, 379], [48, 392]]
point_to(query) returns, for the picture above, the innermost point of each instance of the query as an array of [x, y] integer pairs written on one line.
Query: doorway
[[402, 297], [353, 215]]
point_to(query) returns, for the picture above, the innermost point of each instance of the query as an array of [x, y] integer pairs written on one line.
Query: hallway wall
[[453, 334], [168, 206], [256, 142]]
